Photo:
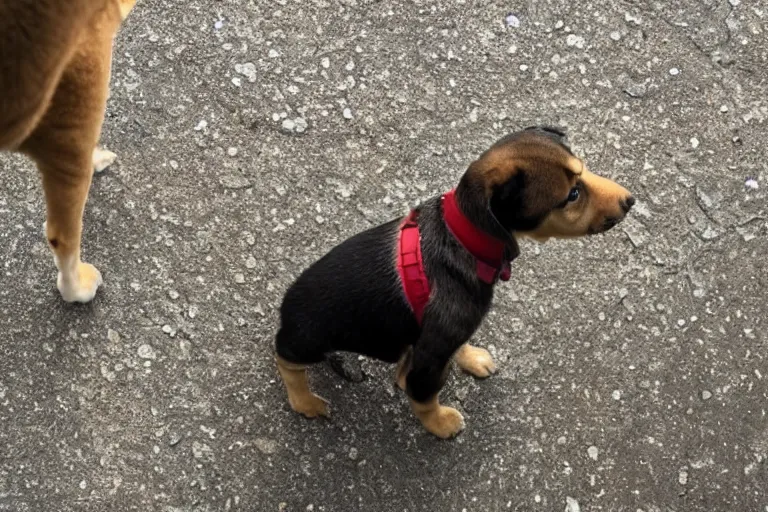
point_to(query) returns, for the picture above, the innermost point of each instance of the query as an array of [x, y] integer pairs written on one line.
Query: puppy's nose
[[627, 204]]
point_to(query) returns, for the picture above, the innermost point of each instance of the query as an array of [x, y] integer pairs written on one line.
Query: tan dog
[[55, 58]]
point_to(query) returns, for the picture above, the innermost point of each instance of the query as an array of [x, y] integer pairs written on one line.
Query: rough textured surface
[[253, 136]]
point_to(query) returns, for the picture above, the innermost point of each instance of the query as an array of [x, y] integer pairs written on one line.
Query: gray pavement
[[253, 136]]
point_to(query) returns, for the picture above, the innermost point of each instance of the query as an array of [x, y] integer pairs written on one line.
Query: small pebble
[[709, 233], [239, 278], [682, 477], [706, 395], [147, 352], [571, 505], [347, 113], [616, 394], [694, 142], [512, 20], [288, 125], [751, 183], [592, 452], [674, 71], [248, 70], [266, 446], [574, 40], [301, 125]]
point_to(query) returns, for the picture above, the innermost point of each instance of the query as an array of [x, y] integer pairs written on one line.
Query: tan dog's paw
[[476, 361], [102, 159], [81, 286], [310, 405], [444, 422]]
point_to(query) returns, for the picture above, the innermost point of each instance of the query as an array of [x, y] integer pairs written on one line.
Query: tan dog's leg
[[300, 397], [444, 422], [475, 361], [63, 147], [66, 190]]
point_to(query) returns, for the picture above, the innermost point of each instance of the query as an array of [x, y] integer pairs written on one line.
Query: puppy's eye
[[573, 194]]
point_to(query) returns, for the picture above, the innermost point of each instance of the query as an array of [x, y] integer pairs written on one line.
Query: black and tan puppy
[[414, 290]]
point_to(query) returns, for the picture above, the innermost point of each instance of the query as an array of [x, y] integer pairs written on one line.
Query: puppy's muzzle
[[625, 205]]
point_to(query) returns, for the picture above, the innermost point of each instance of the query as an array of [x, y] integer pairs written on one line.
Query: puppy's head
[[530, 184]]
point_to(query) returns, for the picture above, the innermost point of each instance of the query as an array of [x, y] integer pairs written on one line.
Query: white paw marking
[[81, 285]]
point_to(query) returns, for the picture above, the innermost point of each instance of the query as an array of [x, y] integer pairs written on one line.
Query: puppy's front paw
[[102, 159], [444, 422], [80, 285], [310, 405], [476, 361]]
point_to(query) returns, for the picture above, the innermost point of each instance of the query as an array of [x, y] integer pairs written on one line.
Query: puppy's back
[[349, 300]]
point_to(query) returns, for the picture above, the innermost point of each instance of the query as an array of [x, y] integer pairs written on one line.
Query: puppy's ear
[[505, 209], [507, 202], [477, 201]]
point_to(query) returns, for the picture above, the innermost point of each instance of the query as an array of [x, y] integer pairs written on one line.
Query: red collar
[[487, 250]]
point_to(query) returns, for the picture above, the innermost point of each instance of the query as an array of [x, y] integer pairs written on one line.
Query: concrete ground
[[253, 136]]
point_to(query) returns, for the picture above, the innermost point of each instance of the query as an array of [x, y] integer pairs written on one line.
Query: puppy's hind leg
[[300, 397]]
